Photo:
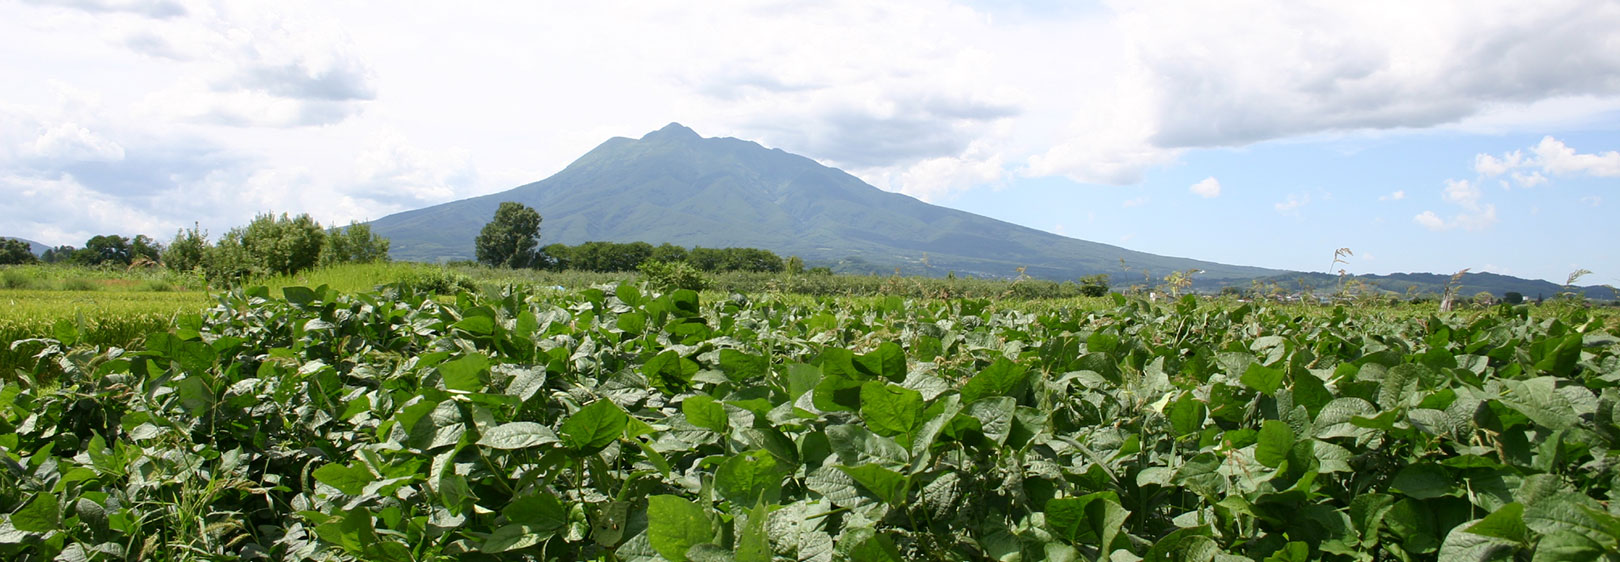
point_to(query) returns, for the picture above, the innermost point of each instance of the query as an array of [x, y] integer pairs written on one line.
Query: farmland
[[294, 420]]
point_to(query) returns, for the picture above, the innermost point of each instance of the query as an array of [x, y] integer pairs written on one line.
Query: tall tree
[[14, 251], [509, 240]]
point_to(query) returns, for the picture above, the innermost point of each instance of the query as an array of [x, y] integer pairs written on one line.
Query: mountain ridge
[[674, 185]]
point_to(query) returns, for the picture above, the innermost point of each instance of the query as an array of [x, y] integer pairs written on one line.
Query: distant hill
[[675, 186], [33, 246], [1468, 285]]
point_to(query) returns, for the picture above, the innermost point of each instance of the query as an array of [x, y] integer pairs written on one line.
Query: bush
[[78, 284], [437, 282], [668, 276], [14, 279]]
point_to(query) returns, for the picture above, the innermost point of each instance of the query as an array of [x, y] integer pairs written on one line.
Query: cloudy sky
[[1429, 136]]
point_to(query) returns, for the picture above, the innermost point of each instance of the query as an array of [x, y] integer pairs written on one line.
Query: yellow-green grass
[[103, 317]]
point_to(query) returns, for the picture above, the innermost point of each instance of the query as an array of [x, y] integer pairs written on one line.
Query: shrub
[[437, 282], [78, 284], [667, 276], [14, 279]]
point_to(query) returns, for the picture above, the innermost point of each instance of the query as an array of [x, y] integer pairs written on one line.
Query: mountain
[[675, 186], [33, 246], [1434, 283]]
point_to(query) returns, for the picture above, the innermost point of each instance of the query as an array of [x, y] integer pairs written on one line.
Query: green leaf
[[749, 478], [476, 325], [298, 295], [740, 366], [541, 513], [1400, 384], [890, 410], [1568, 545], [888, 485], [1276, 439], [351, 480], [517, 435], [887, 361], [594, 426], [675, 525], [1187, 415], [465, 373], [42, 514], [1423, 481], [1262, 378], [1093, 519], [512, 537], [876, 548], [704, 411], [753, 543], [1507, 522], [1191, 544], [670, 372], [999, 379], [1461, 545]]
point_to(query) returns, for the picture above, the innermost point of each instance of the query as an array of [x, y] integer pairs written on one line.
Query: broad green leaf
[[1461, 545], [298, 295], [1506, 522], [465, 373], [40, 515], [888, 485], [876, 548], [999, 379], [740, 366], [1423, 480], [1400, 384], [1094, 519], [749, 478], [517, 435], [1187, 415], [1276, 439], [541, 513], [704, 411], [837, 392], [511, 537], [350, 480], [887, 361], [594, 426], [670, 372], [890, 410], [994, 415], [675, 525], [753, 543], [1569, 545], [1262, 378], [1191, 544]]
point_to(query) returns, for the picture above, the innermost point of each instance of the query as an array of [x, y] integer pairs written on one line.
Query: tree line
[[511, 239], [271, 244]]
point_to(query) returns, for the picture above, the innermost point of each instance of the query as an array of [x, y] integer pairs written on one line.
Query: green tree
[[510, 238], [355, 244], [187, 250], [1094, 285], [1513, 297], [143, 246], [14, 251], [278, 245], [107, 249], [794, 265]]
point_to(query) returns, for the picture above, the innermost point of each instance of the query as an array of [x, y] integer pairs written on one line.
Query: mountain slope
[[33, 246], [675, 186]]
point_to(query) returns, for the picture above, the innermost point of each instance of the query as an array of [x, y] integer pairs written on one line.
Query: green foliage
[[188, 250], [668, 276], [509, 239], [354, 244], [309, 423], [1094, 285], [14, 252]]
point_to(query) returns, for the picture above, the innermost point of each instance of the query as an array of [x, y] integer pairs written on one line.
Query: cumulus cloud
[[1473, 215], [1397, 195], [1207, 188], [400, 176], [1292, 204], [71, 142], [1548, 157], [1231, 75]]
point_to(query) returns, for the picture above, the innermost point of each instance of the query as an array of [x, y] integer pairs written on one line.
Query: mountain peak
[[673, 131]]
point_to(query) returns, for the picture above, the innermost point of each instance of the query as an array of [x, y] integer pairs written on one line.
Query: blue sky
[[1428, 136]]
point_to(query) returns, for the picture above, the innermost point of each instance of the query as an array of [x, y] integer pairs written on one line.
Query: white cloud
[[1207, 188], [393, 173], [71, 142], [1396, 196], [1550, 156], [1474, 215], [1592, 200], [1292, 205], [1430, 221]]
